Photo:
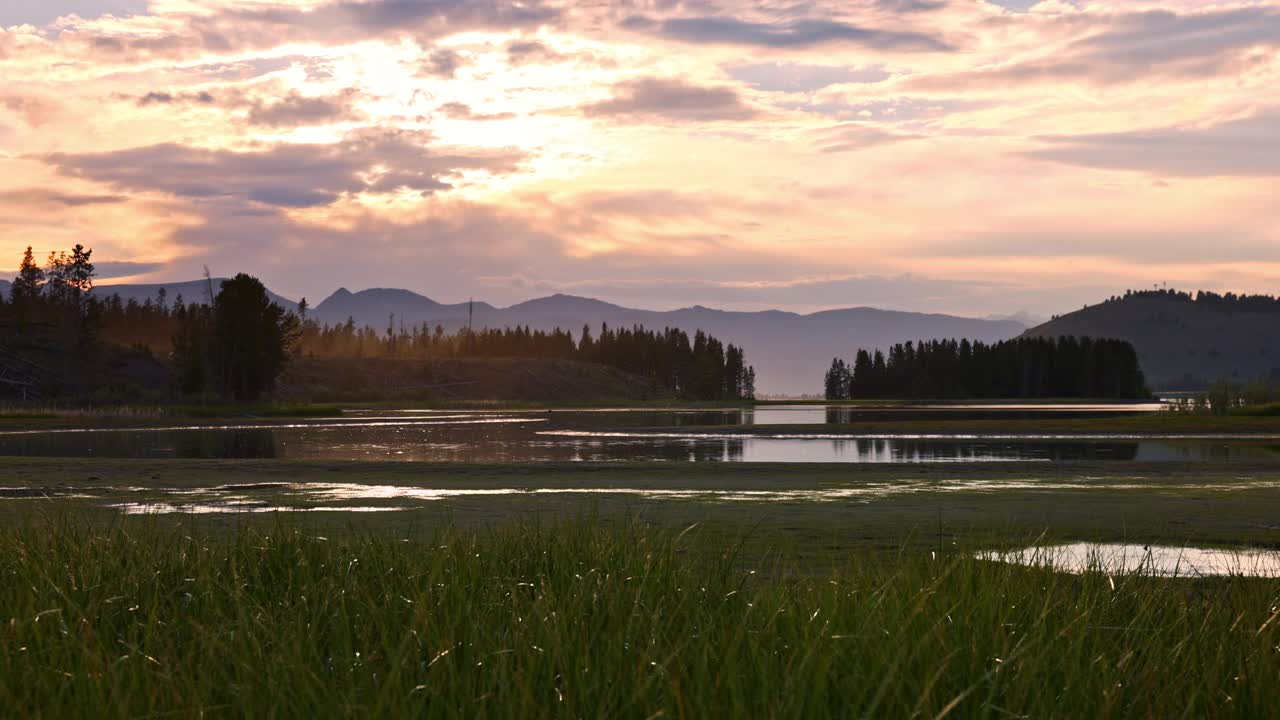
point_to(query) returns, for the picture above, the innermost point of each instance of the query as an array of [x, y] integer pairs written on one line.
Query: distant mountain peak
[[562, 300], [1023, 317]]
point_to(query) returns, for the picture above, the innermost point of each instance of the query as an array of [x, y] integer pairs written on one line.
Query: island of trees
[[1064, 367], [235, 342]]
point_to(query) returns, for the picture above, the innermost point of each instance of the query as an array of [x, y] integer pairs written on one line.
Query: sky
[[957, 156]]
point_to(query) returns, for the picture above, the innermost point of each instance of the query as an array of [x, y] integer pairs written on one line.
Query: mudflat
[[826, 507]]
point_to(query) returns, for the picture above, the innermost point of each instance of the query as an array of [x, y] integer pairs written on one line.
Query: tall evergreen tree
[[1021, 368], [252, 338], [29, 282]]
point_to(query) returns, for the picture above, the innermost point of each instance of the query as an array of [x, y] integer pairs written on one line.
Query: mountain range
[[790, 351], [1181, 343]]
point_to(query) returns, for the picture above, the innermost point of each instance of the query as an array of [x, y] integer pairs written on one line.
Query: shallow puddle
[[356, 497], [1157, 560], [224, 509]]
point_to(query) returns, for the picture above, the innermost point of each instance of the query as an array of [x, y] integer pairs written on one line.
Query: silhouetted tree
[[191, 347], [29, 282], [252, 339], [836, 384], [1020, 368], [69, 277]]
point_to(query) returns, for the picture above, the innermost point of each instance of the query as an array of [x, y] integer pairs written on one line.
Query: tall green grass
[[586, 621]]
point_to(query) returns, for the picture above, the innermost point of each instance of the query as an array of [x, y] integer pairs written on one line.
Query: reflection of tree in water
[[916, 450], [238, 443], [729, 450], [1094, 451]]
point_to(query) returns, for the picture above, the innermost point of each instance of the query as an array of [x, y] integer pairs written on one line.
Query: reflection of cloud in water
[[233, 508], [1156, 560], [400, 422], [695, 436], [330, 492], [309, 497], [350, 491]]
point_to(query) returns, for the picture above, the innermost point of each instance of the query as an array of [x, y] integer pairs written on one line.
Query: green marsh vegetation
[[588, 619]]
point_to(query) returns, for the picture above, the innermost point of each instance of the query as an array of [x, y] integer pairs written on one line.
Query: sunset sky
[[957, 156]]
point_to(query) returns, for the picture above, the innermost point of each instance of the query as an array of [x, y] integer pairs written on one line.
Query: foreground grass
[[585, 620]]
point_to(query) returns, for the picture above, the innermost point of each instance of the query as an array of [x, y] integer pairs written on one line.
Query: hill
[[35, 366], [790, 351], [1185, 342]]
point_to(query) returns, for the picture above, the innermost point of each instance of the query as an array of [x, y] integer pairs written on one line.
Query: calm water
[[1163, 561], [622, 435]]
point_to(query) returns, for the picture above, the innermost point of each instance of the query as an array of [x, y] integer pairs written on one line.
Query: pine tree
[[252, 338], [29, 282]]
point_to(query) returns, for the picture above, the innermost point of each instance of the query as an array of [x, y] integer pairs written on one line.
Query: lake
[[634, 435]]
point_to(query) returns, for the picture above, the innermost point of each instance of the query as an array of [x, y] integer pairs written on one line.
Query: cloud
[[522, 52], [795, 34], [1162, 36], [42, 196], [442, 63], [239, 28], [168, 98], [441, 252], [849, 137], [911, 6], [649, 99], [462, 111], [34, 110], [1129, 47], [46, 11], [287, 175], [395, 16], [294, 110], [797, 77], [1244, 147]]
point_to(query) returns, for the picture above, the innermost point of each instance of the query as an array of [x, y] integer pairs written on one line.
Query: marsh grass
[[585, 620], [109, 413]]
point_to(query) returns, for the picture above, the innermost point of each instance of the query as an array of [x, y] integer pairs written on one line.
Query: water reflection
[[1163, 561], [569, 436], [159, 508], [357, 497]]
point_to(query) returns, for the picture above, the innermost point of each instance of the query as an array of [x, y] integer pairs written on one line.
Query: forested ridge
[[698, 368], [1185, 341], [235, 341], [1021, 368], [1222, 302]]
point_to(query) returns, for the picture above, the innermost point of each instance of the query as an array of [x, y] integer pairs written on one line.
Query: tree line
[[235, 342], [697, 368], [1222, 302], [1019, 368], [234, 347]]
